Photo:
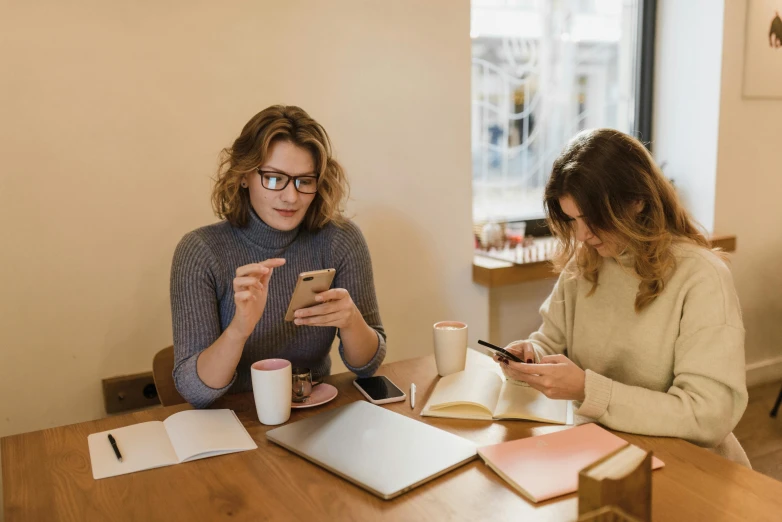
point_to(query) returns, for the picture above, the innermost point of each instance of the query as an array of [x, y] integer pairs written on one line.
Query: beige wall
[[513, 310], [112, 119], [748, 201], [687, 100]]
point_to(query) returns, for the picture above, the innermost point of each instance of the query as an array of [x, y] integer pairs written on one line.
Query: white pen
[[412, 395]]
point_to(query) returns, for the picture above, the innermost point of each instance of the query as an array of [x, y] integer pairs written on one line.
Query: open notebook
[[184, 436], [482, 394]]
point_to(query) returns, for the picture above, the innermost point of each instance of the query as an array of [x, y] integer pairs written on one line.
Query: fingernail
[[529, 361], [318, 298], [297, 321]]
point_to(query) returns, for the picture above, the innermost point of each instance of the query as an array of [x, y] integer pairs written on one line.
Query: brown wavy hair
[[608, 173], [280, 123]]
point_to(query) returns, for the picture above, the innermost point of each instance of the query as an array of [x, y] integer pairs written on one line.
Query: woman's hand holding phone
[[337, 310], [523, 350], [556, 376], [251, 289]]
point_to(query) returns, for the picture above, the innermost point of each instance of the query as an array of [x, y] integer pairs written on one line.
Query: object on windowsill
[[531, 250], [492, 235], [617, 487], [515, 233], [492, 270]]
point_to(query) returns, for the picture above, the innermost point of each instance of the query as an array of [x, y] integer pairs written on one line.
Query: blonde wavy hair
[[621, 194], [280, 123]]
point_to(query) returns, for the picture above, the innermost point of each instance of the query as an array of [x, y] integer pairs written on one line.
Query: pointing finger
[[273, 262]]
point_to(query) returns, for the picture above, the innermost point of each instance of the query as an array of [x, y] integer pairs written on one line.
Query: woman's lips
[[285, 213]]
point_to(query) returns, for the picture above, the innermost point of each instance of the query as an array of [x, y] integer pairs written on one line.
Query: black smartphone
[[379, 389], [502, 352]]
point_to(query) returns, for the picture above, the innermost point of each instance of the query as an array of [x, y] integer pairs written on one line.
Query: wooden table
[[47, 476]]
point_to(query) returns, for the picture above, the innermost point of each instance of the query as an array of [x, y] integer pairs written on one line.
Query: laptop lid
[[381, 451]]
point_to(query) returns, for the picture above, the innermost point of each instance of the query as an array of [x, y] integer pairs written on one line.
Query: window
[[542, 70]]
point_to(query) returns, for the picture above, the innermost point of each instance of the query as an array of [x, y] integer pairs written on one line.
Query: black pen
[[116, 449]]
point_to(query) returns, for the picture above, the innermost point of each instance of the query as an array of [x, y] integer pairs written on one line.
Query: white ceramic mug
[[272, 390], [450, 346]]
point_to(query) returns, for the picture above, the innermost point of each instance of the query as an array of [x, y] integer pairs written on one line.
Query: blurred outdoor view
[[542, 70]]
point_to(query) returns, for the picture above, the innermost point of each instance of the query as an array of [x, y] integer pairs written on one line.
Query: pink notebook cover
[[547, 466]]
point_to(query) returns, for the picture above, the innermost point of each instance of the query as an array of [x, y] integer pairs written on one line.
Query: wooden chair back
[[162, 372]]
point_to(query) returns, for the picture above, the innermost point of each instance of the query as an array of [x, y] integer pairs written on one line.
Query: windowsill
[[494, 272]]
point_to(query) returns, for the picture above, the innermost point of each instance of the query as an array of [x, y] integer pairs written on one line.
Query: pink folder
[[547, 466]]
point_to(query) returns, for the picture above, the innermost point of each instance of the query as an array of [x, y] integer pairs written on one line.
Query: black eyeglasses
[[273, 180]]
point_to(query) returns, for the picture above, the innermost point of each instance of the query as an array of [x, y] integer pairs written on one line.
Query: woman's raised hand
[[251, 289]]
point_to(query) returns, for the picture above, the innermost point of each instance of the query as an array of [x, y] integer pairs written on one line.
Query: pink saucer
[[321, 394]]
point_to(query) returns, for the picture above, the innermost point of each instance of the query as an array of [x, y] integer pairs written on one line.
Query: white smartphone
[[308, 285], [379, 389]]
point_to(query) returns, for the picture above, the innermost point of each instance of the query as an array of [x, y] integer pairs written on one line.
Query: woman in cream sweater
[[643, 328]]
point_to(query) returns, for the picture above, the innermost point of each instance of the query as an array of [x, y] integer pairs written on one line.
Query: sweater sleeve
[[551, 338], [708, 394], [354, 274], [195, 317]]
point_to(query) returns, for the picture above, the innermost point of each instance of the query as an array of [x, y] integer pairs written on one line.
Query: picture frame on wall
[[763, 50]]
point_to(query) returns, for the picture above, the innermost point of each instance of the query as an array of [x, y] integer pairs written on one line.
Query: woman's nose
[[582, 232], [289, 193]]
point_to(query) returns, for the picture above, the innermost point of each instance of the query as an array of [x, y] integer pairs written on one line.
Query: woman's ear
[[639, 205]]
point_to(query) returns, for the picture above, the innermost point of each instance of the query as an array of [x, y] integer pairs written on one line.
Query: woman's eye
[[271, 180]]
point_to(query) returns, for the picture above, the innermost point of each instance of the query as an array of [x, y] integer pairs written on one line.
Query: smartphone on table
[[308, 285], [502, 352], [379, 389]]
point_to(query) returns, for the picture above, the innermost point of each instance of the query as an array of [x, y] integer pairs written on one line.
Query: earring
[[244, 184]]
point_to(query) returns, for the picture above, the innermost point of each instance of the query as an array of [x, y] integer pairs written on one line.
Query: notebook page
[[143, 446], [470, 387], [197, 434], [524, 402]]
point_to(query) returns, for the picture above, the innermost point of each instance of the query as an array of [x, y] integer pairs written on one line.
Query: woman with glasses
[[279, 192], [643, 329]]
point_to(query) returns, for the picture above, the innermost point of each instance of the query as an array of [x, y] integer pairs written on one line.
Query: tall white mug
[[450, 347], [272, 390]]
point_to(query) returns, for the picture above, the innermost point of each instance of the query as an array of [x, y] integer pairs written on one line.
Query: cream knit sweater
[[676, 369]]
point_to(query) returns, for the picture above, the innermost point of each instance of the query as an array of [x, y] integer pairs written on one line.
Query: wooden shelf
[[491, 272]]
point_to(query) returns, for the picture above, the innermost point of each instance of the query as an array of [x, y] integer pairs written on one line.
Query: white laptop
[[374, 448]]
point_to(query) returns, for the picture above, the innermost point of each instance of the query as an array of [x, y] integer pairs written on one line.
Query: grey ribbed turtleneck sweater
[[202, 305]]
